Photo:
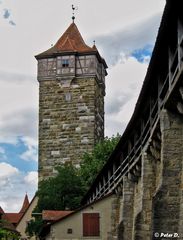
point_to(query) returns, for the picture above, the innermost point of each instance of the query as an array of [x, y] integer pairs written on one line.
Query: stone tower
[[71, 79]]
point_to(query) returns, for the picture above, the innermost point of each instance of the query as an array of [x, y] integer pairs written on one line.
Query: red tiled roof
[[70, 41], [7, 225], [50, 215], [25, 204], [12, 217], [1, 211]]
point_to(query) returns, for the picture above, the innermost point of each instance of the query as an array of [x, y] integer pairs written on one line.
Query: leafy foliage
[[6, 234], [66, 190], [34, 227], [93, 162], [61, 192]]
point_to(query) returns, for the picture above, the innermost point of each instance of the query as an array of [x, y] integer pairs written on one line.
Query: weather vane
[[73, 12]]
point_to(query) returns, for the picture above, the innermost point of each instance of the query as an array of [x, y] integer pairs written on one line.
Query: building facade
[[95, 221], [71, 79]]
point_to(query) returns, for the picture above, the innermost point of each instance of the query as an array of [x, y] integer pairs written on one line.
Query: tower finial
[[73, 12]]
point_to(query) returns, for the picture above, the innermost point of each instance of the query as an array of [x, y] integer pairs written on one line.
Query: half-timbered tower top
[[71, 42]]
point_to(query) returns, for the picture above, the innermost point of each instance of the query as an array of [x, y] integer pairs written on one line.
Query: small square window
[[65, 63], [69, 230]]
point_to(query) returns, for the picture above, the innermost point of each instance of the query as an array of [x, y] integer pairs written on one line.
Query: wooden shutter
[[91, 226]]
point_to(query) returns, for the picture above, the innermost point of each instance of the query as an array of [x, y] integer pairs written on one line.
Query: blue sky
[[124, 35], [15, 155], [143, 54]]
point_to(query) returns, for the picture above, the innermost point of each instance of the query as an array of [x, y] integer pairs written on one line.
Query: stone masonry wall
[[71, 121], [142, 229], [167, 200], [126, 225], [153, 205]]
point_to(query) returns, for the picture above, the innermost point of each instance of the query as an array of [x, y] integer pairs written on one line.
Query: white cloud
[[6, 171], [13, 186], [19, 107], [32, 178], [119, 45], [123, 27], [31, 152], [122, 90]]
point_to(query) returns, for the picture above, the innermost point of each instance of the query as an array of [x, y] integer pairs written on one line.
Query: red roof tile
[[25, 204], [1, 211], [50, 215], [7, 225], [70, 41], [12, 217]]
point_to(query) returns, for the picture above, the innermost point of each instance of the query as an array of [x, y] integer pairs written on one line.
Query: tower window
[[65, 63]]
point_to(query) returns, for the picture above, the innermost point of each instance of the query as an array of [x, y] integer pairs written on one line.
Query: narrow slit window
[[65, 63]]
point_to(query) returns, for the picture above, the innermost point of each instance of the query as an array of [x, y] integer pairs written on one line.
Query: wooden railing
[[134, 155]]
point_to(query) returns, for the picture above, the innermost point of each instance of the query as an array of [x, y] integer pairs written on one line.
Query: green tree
[[93, 162], [66, 190], [34, 226], [6, 234], [61, 192]]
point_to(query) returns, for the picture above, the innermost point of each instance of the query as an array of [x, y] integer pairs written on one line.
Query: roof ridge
[[25, 204], [1, 210]]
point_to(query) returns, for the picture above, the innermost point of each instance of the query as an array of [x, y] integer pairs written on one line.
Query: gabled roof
[[70, 41], [51, 215], [12, 217], [33, 199], [25, 204], [8, 226], [1, 211]]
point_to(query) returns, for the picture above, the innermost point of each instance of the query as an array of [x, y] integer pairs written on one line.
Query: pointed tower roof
[[25, 204], [1, 211], [70, 41]]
